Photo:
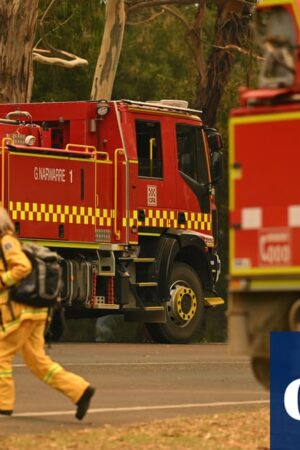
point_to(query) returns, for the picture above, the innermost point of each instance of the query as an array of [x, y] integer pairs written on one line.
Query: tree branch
[[194, 34], [133, 5], [137, 4], [67, 60], [236, 48], [44, 36], [47, 10], [175, 12], [149, 19]]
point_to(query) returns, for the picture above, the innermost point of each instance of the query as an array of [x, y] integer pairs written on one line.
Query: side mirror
[[217, 170], [215, 141]]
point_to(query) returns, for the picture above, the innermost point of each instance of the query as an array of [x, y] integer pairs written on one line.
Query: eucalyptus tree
[[213, 55], [18, 25], [232, 34], [213, 60], [110, 50], [19, 22]]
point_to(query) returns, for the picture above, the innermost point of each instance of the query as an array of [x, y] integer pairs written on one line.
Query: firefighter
[[22, 330]]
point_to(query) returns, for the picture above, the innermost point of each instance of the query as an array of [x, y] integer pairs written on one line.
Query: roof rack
[[159, 105]]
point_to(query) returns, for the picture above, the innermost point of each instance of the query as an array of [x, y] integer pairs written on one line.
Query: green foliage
[[155, 62], [76, 27]]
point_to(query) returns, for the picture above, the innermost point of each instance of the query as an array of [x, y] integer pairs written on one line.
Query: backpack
[[41, 288]]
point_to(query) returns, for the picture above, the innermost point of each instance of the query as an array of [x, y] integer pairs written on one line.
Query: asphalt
[[136, 383]]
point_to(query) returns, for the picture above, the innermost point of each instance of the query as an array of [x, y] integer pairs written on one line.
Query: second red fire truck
[[124, 192], [264, 191]]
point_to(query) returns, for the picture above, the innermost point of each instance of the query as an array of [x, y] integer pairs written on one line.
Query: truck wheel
[[184, 309]]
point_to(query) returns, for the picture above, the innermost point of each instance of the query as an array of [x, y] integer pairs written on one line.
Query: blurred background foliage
[[156, 63]]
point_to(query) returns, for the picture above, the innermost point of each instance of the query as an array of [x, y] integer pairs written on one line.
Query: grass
[[225, 431]]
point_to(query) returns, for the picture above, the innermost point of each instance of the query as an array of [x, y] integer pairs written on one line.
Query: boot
[[6, 412], [84, 402]]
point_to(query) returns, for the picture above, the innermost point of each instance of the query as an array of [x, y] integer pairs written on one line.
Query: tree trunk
[[231, 29], [195, 36], [110, 51], [18, 20]]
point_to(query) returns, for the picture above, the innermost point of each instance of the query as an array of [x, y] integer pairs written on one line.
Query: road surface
[[136, 383]]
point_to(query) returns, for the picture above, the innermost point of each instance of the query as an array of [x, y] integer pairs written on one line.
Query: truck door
[[152, 165], [192, 177]]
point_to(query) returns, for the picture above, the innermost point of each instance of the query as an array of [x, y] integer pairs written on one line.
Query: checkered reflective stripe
[[42, 212], [168, 219], [88, 215]]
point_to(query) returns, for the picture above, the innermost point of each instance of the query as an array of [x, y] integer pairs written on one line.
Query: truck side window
[[191, 153], [149, 148]]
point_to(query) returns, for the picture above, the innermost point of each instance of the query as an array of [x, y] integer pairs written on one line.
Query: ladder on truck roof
[[164, 105]]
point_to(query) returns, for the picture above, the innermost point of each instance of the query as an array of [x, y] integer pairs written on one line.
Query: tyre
[[184, 310]]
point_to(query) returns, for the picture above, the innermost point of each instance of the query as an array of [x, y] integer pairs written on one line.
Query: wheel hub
[[183, 303]]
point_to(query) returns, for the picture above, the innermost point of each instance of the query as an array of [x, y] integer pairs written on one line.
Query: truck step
[[213, 301], [147, 314], [137, 260], [104, 306], [145, 283]]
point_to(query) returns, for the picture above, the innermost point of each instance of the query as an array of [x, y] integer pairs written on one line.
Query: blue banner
[[285, 387]]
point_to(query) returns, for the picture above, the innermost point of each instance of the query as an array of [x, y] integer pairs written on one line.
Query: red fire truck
[[264, 191], [124, 192]]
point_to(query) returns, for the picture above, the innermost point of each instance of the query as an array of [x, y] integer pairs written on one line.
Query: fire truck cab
[[124, 192], [264, 191]]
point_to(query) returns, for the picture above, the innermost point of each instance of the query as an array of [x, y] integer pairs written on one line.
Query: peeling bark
[[110, 50], [18, 19]]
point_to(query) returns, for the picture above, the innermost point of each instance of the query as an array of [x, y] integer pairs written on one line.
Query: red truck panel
[[52, 192], [264, 193], [81, 182]]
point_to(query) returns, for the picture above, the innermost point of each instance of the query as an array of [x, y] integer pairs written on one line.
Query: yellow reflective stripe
[[103, 217], [28, 313], [86, 215], [40, 155], [65, 244], [292, 3], [8, 279], [278, 270], [54, 369], [6, 373], [167, 219]]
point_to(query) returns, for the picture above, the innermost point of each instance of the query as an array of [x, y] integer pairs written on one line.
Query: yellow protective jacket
[[17, 267]]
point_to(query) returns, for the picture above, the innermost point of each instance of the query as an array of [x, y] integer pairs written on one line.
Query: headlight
[[102, 108], [30, 140]]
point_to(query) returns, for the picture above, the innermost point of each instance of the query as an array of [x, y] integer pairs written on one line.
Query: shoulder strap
[[13, 317], [2, 255]]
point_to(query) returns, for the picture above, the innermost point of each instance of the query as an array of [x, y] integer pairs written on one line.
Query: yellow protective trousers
[[28, 339]]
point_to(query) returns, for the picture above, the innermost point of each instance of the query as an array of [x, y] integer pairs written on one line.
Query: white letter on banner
[[291, 399]]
